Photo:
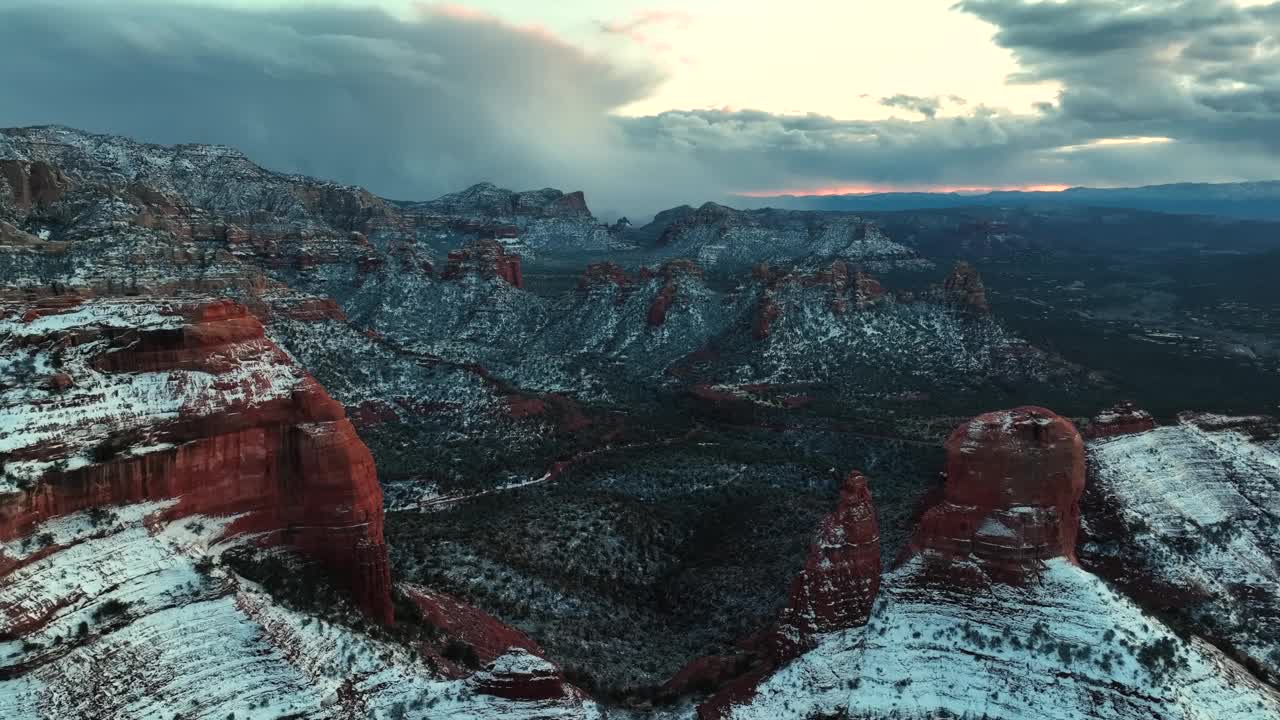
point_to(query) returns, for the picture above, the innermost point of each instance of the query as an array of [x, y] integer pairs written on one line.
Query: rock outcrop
[[1124, 418], [185, 401], [486, 259], [672, 273], [602, 273], [720, 236], [943, 640], [489, 638], [520, 675], [964, 289], [1011, 499], [834, 591], [841, 576], [33, 184], [1181, 517]]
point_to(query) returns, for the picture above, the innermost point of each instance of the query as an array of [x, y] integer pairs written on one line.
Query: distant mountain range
[[1259, 200]]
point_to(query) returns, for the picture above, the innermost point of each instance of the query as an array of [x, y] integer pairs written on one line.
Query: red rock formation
[[36, 184], [262, 441], [488, 636], [766, 313], [1124, 418], [661, 304], [601, 275], [964, 289], [572, 204], [670, 271], [486, 258], [835, 591], [841, 577], [1011, 499], [520, 675], [707, 674], [865, 289]]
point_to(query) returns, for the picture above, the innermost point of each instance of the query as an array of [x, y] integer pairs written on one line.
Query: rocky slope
[[1184, 518], [989, 596], [143, 440], [725, 238], [538, 222]]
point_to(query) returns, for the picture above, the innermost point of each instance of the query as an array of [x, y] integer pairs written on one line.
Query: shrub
[[461, 652], [109, 609]]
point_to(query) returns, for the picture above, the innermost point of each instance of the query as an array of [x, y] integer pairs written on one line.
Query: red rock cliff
[[1011, 499], [486, 258], [189, 401], [964, 289], [1124, 418], [834, 591], [841, 576]]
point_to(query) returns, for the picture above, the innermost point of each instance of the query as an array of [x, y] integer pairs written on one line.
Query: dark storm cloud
[[1196, 70], [414, 108], [408, 108]]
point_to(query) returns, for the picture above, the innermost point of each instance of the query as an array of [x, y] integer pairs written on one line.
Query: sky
[[646, 105]]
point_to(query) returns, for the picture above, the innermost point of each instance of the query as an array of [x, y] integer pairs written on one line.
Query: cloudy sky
[[647, 105]]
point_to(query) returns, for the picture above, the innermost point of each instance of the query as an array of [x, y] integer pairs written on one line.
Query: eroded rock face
[[1124, 418], [520, 675], [835, 591], [1011, 499], [603, 274], [671, 272], [185, 401], [1181, 517], [964, 289], [33, 184], [841, 576], [486, 258], [486, 635]]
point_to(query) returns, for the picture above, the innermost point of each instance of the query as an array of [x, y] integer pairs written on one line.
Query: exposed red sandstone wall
[[841, 576], [670, 271], [964, 288], [835, 591], [486, 258], [603, 273], [1124, 418], [1011, 498], [766, 313], [487, 635], [292, 466]]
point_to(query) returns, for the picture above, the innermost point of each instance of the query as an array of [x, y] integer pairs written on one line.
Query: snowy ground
[[192, 639], [1065, 649]]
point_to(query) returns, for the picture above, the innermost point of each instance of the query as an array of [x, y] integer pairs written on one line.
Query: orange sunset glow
[[877, 189]]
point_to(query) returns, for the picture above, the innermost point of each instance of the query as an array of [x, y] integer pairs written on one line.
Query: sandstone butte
[[964, 289], [189, 401], [1124, 418], [1010, 502], [486, 258]]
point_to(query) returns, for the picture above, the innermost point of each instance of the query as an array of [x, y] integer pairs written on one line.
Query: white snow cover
[[200, 644], [1201, 499], [66, 424], [1064, 649]]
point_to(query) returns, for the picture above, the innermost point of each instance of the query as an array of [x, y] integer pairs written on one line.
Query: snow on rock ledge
[[1183, 517], [187, 401]]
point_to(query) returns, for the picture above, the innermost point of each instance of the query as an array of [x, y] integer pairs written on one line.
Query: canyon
[[274, 446]]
